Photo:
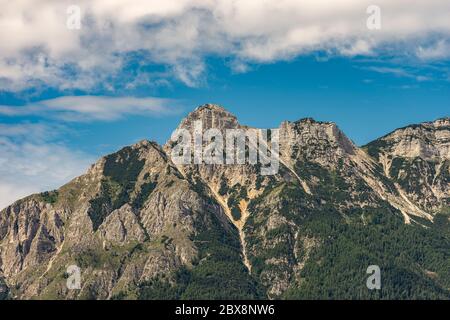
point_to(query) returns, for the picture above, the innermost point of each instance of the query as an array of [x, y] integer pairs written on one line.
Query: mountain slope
[[131, 221], [417, 158], [140, 226]]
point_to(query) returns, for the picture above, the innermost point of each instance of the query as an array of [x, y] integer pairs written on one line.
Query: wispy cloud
[[33, 157], [31, 160], [436, 51], [36, 48], [398, 72], [93, 108]]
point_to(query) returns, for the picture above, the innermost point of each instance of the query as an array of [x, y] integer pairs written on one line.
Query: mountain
[[417, 158], [141, 226]]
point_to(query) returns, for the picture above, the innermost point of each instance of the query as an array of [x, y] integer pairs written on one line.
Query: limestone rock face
[[211, 116], [122, 226], [417, 157], [429, 141], [309, 138], [31, 231], [138, 225]]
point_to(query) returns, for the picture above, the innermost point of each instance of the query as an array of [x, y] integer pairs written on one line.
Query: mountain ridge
[[140, 226]]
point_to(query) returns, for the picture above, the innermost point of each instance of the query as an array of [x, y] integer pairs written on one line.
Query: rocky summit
[[139, 226]]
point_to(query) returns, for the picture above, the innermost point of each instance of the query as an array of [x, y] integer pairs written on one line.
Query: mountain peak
[[310, 120], [314, 135], [210, 107], [211, 116], [427, 140], [442, 122]]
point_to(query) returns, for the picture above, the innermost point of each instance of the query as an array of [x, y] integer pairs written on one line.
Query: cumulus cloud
[[92, 108], [36, 47], [32, 161]]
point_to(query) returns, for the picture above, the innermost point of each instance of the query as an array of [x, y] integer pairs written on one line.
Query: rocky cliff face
[[417, 158], [140, 226]]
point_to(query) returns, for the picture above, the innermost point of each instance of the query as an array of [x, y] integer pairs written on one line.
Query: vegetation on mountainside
[[121, 171], [414, 261], [217, 274]]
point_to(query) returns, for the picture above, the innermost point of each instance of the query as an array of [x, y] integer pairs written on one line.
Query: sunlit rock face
[[417, 157]]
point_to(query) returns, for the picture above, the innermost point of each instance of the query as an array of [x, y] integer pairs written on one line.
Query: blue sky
[[68, 97], [366, 98]]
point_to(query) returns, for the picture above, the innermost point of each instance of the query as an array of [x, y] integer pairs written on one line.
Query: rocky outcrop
[[428, 140], [417, 158]]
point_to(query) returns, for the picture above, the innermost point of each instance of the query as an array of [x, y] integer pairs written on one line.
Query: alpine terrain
[[139, 226]]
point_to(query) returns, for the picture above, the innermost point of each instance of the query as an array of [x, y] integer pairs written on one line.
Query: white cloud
[[399, 72], [37, 48], [30, 161], [90, 108]]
